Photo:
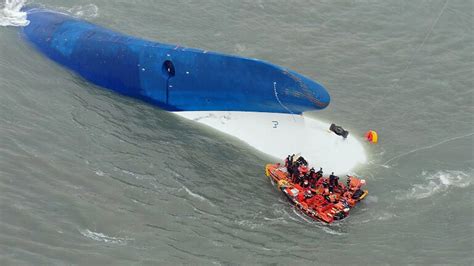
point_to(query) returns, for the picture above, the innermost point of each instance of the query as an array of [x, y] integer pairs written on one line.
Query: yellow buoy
[[372, 136]]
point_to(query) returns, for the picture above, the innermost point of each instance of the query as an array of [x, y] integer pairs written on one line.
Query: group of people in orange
[[319, 191]]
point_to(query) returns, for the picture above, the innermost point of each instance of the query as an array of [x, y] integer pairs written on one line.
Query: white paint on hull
[[281, 134]]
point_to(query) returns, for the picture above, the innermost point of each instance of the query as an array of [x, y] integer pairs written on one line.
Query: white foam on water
[[130, 173], [99, 173], [104, 238], [10, 14], [301, 215], [197, 196], [438, 182], [282, 134], [194, 195]]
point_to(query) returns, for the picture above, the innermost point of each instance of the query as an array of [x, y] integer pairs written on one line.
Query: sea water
[[91, 177]]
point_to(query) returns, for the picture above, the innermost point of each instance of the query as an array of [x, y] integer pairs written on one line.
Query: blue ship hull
[[172, 77]]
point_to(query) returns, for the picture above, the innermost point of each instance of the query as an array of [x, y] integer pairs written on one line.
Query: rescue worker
[[299, 179], [354, 183], [322, 182], [302, 161], [305, 183], [312, 177], [341, 188], [347, 196], [319, 173], [312, 172], [287, 162], [303, 169], [294, 172], [315, 176], [333, 182], [325, 186], [308, 194], [289, 166]]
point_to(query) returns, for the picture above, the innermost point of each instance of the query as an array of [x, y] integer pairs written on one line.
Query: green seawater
[[89, 177]]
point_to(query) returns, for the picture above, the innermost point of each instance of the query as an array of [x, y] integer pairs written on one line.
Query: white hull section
[[281, 134]]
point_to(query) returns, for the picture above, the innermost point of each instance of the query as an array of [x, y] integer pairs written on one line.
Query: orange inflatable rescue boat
[[319, 199]]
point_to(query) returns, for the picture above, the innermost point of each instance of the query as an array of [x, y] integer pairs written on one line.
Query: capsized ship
[[255, 101], [172, 77]]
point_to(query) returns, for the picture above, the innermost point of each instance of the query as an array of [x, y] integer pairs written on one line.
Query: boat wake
[[10, 14], [439, 182]]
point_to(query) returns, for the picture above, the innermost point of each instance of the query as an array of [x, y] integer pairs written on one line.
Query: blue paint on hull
[[171, 77]]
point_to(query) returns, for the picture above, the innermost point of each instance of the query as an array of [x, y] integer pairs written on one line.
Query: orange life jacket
[[303, 169], [354, 183]]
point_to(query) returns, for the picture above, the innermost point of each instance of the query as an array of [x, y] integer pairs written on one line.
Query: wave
[[104, 238], [10, 14], [99, 173], [195, 195], [439, 182]]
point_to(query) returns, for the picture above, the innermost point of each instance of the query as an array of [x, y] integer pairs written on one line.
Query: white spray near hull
[[10, 14], [281, 134]]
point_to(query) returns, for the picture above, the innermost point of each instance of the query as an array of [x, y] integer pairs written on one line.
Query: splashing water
[[439, 182], [10, 14]]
